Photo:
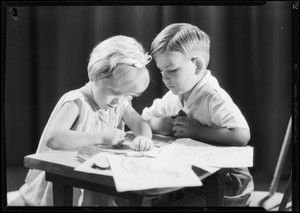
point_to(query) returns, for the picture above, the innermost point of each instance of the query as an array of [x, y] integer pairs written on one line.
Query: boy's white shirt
[[208, 103]]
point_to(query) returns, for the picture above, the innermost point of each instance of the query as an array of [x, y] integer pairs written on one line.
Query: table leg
[[215, 189], [62, 195]]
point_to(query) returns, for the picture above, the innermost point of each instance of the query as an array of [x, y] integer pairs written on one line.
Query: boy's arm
[[162, 125], [188, 127], [156, 116], [59, 135]]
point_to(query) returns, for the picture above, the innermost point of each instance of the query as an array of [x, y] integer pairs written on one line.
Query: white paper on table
[[141, 173], [170, 153], [87, 165], [204, 155]]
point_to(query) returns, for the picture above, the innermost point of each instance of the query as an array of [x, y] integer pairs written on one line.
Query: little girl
[[95, 114]]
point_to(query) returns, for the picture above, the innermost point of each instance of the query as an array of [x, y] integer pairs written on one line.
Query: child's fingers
[[180, 120], [179, 134], [121, 133], [177, 128], [119, 140], [135, 145], [132, 145], [118, 131], [148, 145], [171, 120], [121, 137], [141, 145]]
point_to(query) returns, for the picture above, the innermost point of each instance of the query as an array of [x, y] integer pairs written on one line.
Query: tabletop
[[59, 167]]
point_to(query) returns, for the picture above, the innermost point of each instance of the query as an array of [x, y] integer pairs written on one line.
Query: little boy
[[181, 52]]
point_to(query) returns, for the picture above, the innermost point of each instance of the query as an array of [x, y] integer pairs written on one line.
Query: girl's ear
[[199, 64]]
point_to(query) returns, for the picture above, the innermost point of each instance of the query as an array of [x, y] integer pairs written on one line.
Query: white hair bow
[[145, 60]]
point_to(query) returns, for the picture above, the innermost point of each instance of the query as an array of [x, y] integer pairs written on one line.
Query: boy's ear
[[199, 64]]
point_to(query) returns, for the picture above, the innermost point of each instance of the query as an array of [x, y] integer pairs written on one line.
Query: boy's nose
[[164, 76]]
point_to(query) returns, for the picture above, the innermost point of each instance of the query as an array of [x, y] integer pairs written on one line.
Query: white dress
[[38, 192]]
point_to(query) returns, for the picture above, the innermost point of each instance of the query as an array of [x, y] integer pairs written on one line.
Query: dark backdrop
[[47, 50]]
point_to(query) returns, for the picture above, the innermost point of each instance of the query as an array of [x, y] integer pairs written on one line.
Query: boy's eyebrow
[[168, 65]]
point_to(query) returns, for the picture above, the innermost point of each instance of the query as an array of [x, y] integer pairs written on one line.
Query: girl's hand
[[112, 137], [141, 143], [185, 127]]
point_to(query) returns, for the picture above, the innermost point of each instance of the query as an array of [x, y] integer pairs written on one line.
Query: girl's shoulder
[[72, 96], [77, 97]]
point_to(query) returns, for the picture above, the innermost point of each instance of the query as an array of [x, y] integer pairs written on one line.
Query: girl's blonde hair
[[122, 58], [183, 38]]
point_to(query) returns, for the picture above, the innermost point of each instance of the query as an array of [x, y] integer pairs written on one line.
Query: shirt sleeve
[[156, 110], [161, 107], [225, 113]]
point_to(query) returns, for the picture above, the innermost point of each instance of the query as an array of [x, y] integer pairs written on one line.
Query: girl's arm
[[140, 128], [136, 123], [60, 136], [187, 127]]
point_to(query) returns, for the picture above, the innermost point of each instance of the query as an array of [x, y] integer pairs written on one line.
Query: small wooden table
[[59, 167]]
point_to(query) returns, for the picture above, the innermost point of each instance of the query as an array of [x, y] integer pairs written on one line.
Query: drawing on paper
[[170, 175], [196, 156], [134, 165], [140, 166], [216, 156]]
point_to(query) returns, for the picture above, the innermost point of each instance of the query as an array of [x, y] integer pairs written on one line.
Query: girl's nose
[[115, 101]]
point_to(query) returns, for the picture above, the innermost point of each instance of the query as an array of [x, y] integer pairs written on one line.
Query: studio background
[[47, 51]]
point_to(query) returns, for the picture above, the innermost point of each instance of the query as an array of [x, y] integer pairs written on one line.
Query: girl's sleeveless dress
[[37, 191]]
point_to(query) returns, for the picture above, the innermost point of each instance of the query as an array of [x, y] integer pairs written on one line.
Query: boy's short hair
[[123, 52], [181, 37]]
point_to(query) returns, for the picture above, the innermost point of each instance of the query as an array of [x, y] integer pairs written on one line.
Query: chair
[[272, 200]]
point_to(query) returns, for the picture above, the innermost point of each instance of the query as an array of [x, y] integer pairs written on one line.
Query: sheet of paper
[[168, 164], [203, 155], [156, 138], [141, 173]]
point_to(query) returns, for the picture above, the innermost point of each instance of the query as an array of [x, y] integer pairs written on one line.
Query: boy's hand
[[185, 127], [141, 143], [112, 136]]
